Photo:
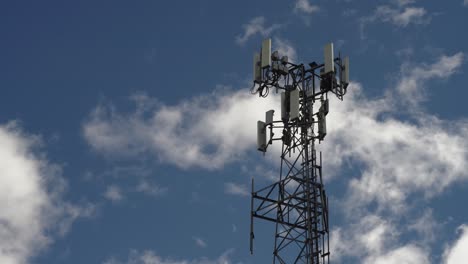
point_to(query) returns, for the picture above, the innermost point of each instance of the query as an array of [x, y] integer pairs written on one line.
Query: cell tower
[[297, 202]]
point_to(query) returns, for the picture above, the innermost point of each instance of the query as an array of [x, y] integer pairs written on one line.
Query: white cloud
[[236, 189], [401, 17], [414, 77], [200, 242], [374, 240], [212, 130], [32, 209], [207, 131], [399, 157], [371, 235], [465, 2], [254, 27], [404, 2], [457, 253], [305, 7], [113, 193], [408, 254], [150, 188], [150, 257]]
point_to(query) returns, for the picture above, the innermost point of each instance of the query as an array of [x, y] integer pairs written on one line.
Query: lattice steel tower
[[297, 202]]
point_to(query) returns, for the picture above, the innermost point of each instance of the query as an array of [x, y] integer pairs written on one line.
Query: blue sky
[[127, 130]]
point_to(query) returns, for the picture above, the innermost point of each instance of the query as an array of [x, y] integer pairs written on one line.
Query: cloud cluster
[[418, 157], [401, 17], [207, 132], [31, 188], [400, 157], [374, 240]]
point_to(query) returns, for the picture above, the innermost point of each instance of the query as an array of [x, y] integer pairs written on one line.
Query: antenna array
[[297, 202]]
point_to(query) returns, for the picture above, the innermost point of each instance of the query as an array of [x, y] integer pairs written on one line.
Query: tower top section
[[275, 70]]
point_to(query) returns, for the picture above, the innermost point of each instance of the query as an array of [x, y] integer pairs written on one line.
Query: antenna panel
[[294, 104], [266, 53], [269, 117], [261, 136], [322, 125], [284, 107], [328, 54], [325, 107], [346, 70], [257, 71]]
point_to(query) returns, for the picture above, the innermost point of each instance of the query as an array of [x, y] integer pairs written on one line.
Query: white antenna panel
[[284, 107], [266, 53], [294, 104], [269, 117], [346, 70], [261, 136], [257, 71], [328, 54]]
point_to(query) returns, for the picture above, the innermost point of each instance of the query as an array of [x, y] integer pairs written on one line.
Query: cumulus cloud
[[400, 158], [305, 6], [408, 254], [150, 257], [457, 253], [200, 242], [401, 17], [207, 131], [366, 130], [31, 188], [254, 27], [404, 2], [374, 239], [150, 188], [212, 130], [413, 78], [236, 189], [113, 193]]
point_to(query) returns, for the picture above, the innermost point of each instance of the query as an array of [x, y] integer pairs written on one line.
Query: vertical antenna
[[252, 236]]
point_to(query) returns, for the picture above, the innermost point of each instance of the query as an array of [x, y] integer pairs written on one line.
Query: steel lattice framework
[[297, 202]]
